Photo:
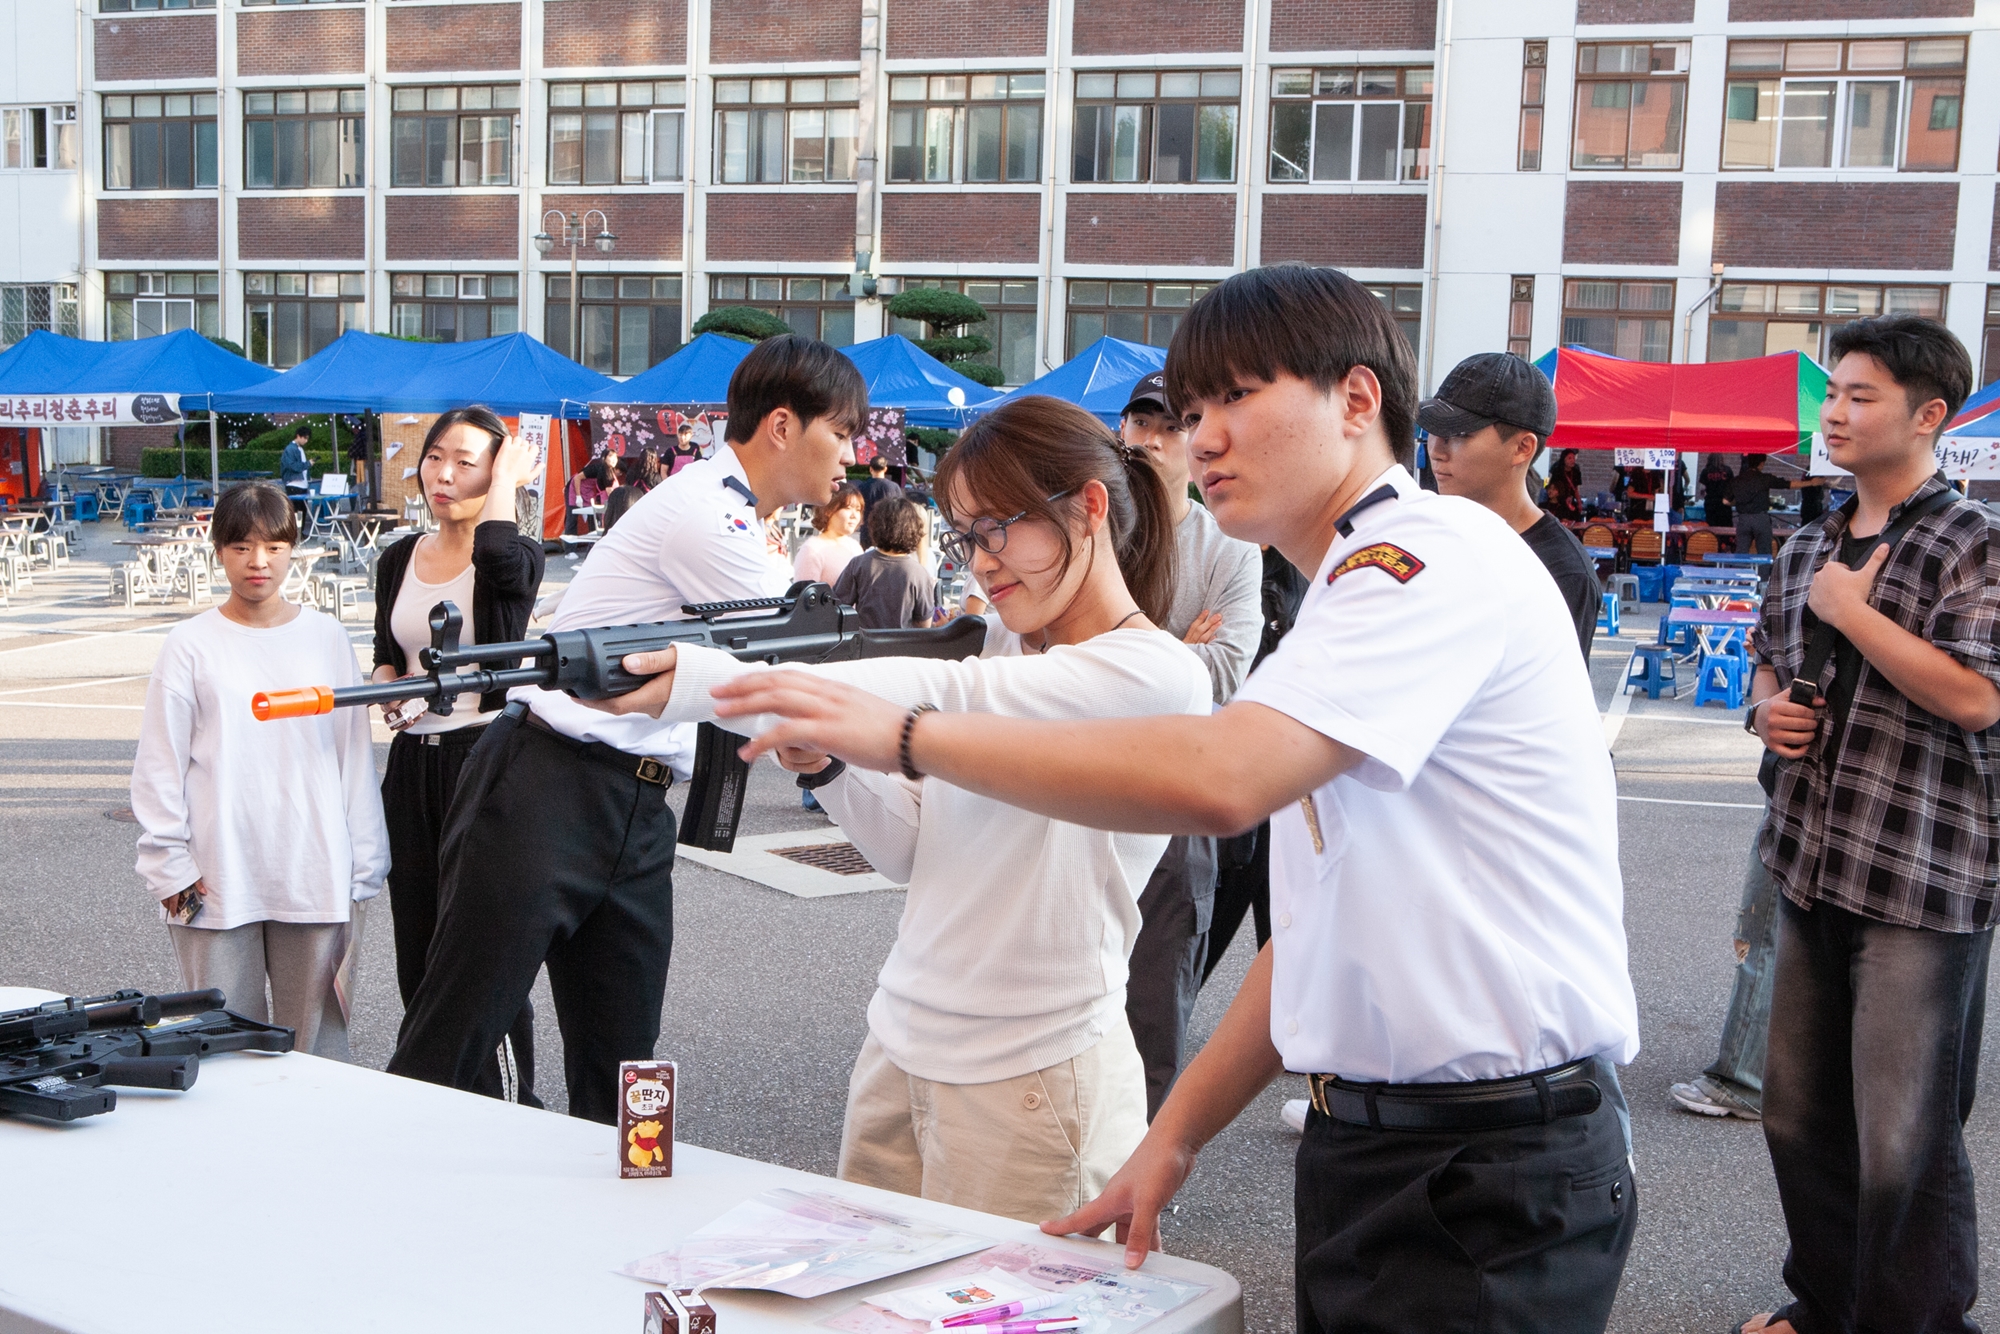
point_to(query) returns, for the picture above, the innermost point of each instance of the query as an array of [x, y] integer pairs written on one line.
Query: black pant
[[1242, 885], [555, 850], [1498, 1231], [1873, 1063], [1165, 976], [416, 794]]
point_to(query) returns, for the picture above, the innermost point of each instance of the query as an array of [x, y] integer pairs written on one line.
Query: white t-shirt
[[693, 538], [1011, 954], [822, 558], [1465, 919], [281, 820], [410, 624]]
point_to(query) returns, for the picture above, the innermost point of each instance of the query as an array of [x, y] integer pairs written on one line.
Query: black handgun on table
[[806, 625]]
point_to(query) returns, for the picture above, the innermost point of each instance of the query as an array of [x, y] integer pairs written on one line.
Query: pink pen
[[1035, 1326], [995, 1315]]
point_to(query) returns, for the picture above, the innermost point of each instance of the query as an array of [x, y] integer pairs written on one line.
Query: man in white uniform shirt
[[559, 844], [1448, 959]]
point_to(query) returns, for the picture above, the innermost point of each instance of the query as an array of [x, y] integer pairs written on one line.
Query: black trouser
[[416, 794], [1523, 1229], [1242, 885], [1873, 1063], [555, 850], [1167, 957]]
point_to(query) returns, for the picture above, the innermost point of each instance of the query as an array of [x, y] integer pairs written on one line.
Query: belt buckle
[[1316, 1086], [654, 771]]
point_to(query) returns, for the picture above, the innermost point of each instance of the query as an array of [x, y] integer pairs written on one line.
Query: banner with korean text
[[32, 410]]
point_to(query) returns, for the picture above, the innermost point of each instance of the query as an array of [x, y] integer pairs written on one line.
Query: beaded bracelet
[[903, 748]]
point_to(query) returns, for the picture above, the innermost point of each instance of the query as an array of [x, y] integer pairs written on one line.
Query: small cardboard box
[[678, 1311], [646, 1119]]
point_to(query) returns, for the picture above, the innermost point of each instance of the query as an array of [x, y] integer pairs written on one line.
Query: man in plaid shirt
[[1883, 838]]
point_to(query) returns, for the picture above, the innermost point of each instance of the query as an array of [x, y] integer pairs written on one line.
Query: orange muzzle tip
[[305, 702]]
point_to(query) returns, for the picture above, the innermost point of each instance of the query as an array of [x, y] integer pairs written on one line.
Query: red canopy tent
[[1766, 405]]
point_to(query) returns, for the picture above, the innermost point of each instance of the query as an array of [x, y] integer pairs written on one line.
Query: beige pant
[[1033, 1147], [300, 960]]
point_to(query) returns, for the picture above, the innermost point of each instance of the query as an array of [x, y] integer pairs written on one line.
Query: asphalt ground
[[765, 1002]]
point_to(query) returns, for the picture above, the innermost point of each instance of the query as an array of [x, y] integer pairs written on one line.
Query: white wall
[[40, 211]]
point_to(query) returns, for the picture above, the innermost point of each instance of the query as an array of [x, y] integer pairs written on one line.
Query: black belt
[[644, 768], [467, 736], [1483, 1104]]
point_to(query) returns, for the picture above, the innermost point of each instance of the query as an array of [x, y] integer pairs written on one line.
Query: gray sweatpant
[[299, 958], [1167, 958]]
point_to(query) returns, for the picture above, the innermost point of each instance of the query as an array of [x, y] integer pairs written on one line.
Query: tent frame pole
[[214, 454]]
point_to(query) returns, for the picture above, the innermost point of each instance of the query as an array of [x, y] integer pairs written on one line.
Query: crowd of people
[[1239, 663]]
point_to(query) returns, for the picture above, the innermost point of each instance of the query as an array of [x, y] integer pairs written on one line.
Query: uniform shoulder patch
[[1399, 564]]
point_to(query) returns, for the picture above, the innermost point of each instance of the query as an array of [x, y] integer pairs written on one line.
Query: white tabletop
[[292, 1193]]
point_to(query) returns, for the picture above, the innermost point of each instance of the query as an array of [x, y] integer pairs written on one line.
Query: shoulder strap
[[1825, 638]]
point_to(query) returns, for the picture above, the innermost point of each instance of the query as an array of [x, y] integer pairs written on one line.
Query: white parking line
[[48, 704], [79, 685], [1720, 805]]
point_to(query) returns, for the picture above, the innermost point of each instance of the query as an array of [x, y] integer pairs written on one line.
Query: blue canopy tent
[[698, 373], [361, 372], [1098, 379], [348, 375], [902, 375]]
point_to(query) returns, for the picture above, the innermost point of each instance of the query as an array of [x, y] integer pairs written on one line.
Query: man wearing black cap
[[1488, 422]]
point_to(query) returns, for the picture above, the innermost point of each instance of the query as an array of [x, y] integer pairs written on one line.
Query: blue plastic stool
[[1721, 681], [86, 506], [1652, 581], [1652, 669], [1678, 637], [1607, 620]]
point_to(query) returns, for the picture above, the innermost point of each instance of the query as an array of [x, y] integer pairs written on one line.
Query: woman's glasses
[[988, 535]]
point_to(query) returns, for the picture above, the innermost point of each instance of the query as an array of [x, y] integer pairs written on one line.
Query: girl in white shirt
[[999, 1072], [823, 556], [259, 841]]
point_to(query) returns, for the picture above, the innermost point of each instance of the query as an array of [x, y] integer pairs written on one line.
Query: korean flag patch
[[733, 524], [1399, 564]]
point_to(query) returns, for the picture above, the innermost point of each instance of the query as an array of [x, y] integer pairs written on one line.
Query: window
[[1010, 321], [26, 307], [1631, 106], [296, 140], [454, 136], [1368, 124], [1990, 363], [159, 141], [1521, 316], [1886, 104], [1140, 126], [621, 133], [1534, 92], [38, 138], [142, 305], [454, 307], [1406, 306], [785, 130], [1624, 319], [291, 316], [1759, 319], [955, 127], [816, 307], [128, 6], [629, 322], [1135, 312]]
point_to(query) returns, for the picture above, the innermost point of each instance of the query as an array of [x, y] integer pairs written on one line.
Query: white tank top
[[410, 623]]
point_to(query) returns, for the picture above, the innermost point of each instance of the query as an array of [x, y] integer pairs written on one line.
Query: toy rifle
[[806, 625], [60, 1061]]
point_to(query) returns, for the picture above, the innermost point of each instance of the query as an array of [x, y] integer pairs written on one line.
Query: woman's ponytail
[[1146, 550]]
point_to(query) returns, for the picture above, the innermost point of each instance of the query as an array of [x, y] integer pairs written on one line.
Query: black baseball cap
[[1150, 392], [1491, 387]]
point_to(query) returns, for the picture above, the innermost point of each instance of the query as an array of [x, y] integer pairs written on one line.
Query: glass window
[[945, 128], [1760, 319], [159, 142], [129, 6], [1626, 319], [1010, 322], [798, 130], [1866, 122], [1631, 106], [1534, 92], [1169, 127], [455, 136], [38, 138], [291, 316], [453, 308], [27, 307], [296, 140], [816, 307], [1138, 312], [1315, 138], [627, 323]]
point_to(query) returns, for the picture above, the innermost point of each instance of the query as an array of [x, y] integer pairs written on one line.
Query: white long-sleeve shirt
[[281, 820], [1011, 954]]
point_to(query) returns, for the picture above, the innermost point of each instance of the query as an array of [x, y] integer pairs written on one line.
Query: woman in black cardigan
[[478, 559]]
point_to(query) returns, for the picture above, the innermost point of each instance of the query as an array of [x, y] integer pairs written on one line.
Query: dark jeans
[[1753, 534], [416, 793], [1167, 959], [554, 850], [1746, 1030], [1874, 1059], [1242, 887], [1517, 1231]]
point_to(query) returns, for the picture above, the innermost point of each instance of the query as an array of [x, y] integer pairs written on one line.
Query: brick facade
[[1350, 231], [1354, 25], [647, 226], [452, 226], [295, 41], [1622, 222], [1151, 229], [968, 228], [123, 445], [441, 37], [1133, 27], [1635, 11], [1836, 225], [165, 46], [808, 228], [614, 32], [1785, 11], [301, 226], [150, 227], [964, 29], [749, 32]]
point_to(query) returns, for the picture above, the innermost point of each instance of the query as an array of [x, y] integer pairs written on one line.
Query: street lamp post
[[573, 236]]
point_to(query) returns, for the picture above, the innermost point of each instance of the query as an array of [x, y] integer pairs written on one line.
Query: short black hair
[[1921, 355], [878, 464], [1316, 324], [799, 373], [1753, 461], [303, 433], [253, 512], [896, 526], [479, 418]]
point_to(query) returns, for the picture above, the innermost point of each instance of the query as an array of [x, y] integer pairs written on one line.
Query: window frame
[[124, 111], [415, 313], [791, 301], [1673, 78], [1005, 315], [756, 105], [1286, 93], [663, 101], [1764, 80], [1160, 319], [33, 138], [412, 104], [63, 313], [934, 95], [1618, 313], [1534, 105], [126, 289], [1822, 317], [667, 291], [342, 293], [1151, 107], [348, 118], [159, 6]]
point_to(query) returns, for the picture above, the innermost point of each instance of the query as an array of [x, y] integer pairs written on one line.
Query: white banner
[[534, 432], [1656, 460], [1963, 458], [90, 410]]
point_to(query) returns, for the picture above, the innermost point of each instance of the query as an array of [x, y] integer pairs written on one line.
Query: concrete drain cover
[[124, 814], [839, 858]]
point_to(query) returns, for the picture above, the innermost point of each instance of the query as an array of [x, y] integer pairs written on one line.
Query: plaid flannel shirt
[[1894, 817]]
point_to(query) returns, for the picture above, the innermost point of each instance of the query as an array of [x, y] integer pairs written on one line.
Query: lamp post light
[[572, 235]]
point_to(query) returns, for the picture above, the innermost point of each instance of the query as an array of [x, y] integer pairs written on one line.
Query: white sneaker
[[1293, 1114]]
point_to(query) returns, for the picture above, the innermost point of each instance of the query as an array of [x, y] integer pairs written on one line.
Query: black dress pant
[[1167, 958], [416, 793], [1515, 1231], [1242, 887], [555, 851]]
